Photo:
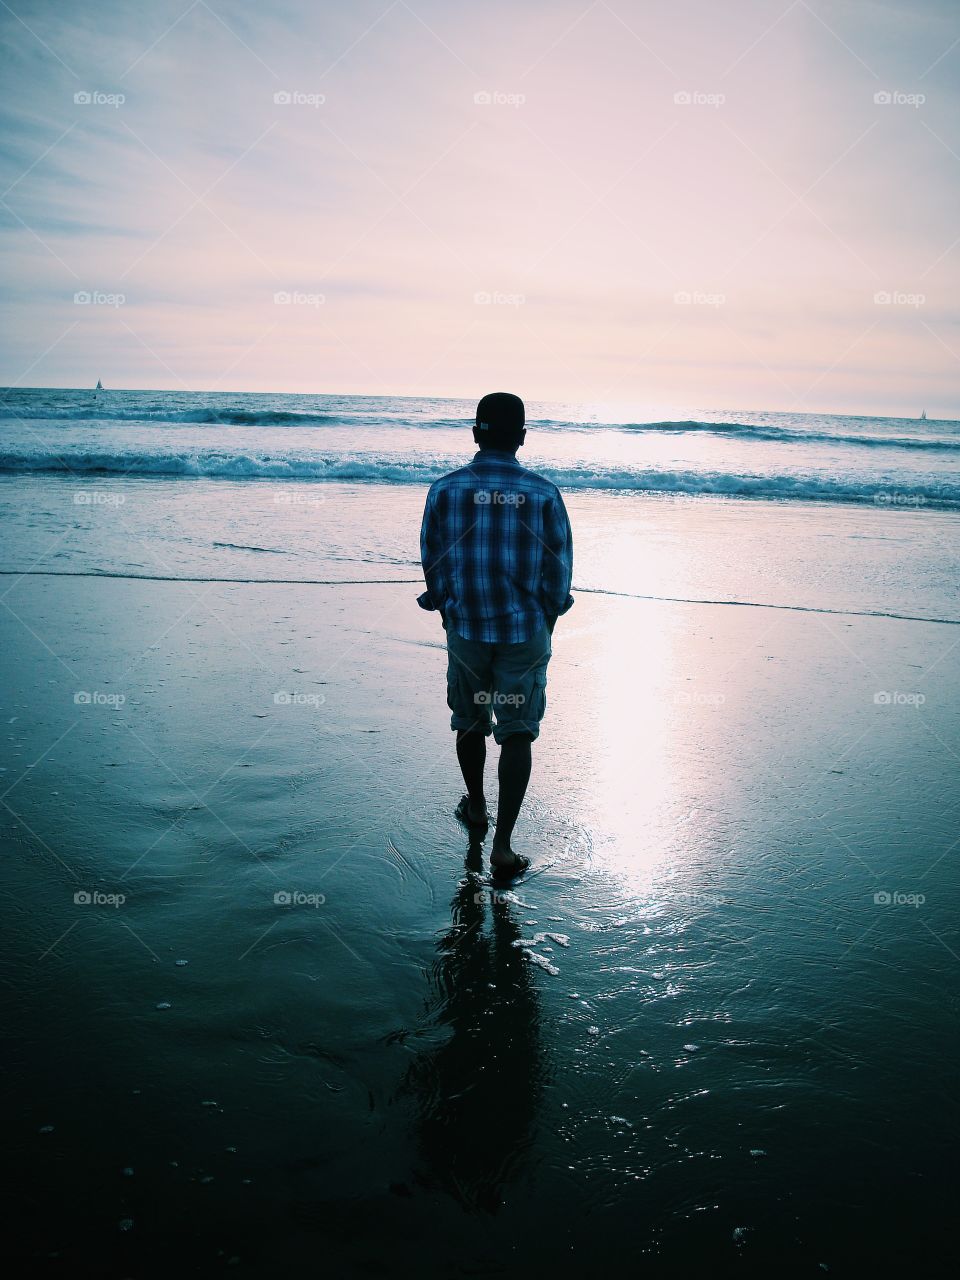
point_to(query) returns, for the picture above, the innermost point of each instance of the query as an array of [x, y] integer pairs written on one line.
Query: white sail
[[99, 386]]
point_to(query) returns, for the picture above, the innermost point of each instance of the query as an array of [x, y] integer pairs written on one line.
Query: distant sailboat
[[99, 386], [923, 416]]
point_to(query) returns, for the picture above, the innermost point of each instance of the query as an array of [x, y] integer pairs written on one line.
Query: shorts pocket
[[539, 693], [452, 689]]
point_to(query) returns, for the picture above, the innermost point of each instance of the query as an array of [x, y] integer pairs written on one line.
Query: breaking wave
[[367, 468]]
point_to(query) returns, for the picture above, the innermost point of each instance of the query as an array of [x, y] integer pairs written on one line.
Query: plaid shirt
[[497, 550]]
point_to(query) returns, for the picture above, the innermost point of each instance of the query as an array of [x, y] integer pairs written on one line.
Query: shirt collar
[[496, 455]]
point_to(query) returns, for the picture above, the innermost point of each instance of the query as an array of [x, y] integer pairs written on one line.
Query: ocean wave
[[231, 417], [752, 431], [194, 417], [366, 469]]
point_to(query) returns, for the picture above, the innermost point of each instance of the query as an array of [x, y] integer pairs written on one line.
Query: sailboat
[[923, 415], [99, 386]]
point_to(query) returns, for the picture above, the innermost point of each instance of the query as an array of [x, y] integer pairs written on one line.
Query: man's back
[[497, 550]]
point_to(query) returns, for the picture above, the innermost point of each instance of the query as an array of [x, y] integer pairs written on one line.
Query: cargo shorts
[[505, 683]]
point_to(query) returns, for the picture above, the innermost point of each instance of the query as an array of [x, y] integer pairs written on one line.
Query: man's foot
[[472, 815], [505, 862]]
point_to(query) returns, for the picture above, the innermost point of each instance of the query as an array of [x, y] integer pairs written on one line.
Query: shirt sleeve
[[557, 558], [430, 558]]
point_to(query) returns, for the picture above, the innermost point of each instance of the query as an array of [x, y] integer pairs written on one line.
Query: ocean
[[270, 1010], [411, 441], [849, 514]]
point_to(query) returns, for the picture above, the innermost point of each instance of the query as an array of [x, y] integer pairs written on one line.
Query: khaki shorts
[[505, 681]]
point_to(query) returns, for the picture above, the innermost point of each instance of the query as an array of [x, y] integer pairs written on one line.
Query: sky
[[675, 205]]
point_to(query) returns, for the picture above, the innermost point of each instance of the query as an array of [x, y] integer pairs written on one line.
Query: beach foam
[[888, 489]]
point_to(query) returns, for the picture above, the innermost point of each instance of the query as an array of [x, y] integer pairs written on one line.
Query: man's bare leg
[[472, 755], [514, 774]]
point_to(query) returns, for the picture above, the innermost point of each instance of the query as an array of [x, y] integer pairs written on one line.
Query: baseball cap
[[501, 413]]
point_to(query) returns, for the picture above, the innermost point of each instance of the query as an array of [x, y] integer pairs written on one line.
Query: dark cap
[[501, 414]]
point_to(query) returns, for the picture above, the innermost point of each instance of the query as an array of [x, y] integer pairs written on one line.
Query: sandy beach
[[270, 1006], [354, 355]]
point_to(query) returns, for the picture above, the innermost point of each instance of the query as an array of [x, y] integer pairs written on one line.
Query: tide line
[[401, 582]]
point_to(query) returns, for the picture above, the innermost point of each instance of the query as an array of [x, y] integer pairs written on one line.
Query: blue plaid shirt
[[497, 550]]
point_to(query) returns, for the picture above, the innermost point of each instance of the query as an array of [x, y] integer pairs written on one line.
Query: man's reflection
[[477, 1092]]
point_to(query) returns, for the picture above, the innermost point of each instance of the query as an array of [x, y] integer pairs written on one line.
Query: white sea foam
[[213, 464], [542, 962]]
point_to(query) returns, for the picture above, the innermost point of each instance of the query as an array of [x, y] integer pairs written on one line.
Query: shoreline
[[393, 582]]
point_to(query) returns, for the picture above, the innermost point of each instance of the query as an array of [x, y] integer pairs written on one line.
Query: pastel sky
[[677, 204]]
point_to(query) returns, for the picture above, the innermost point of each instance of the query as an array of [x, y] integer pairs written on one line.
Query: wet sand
[[693, 1041]]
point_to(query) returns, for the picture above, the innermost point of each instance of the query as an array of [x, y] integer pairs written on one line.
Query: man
[[497, 553]]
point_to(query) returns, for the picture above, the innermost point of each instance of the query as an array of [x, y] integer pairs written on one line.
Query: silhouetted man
[[497, 553]]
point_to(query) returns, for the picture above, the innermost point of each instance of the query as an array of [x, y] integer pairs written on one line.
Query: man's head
[[500, 419]]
